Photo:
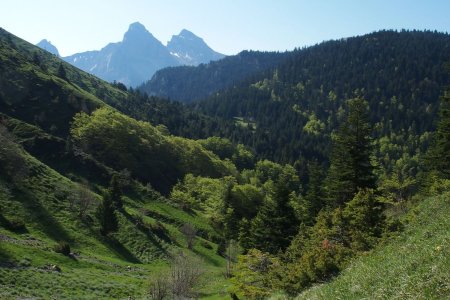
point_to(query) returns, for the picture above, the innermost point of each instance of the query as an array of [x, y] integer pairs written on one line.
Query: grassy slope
[[21, 51], [32, 90], [413, 265], [114, 267]]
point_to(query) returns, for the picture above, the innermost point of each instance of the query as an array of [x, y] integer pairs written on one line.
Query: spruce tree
[[116, 192], [351, 168], [439, 158], [266, 230], [314, 195], [244, 237], [62, 71], [106, 215], [275, 224]]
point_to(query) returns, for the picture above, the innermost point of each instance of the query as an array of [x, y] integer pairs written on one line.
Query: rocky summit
[[139, 55]]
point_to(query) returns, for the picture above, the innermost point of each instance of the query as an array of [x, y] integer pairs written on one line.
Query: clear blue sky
[[228, 26]]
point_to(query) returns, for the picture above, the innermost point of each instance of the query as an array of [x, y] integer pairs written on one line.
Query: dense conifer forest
[[187, 83]]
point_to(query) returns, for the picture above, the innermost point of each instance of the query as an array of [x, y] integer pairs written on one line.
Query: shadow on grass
[[14, 225], [41, 216], [5, 258], [213, 295], [113, 245], [120, 250], [147, 232], [207, 258]]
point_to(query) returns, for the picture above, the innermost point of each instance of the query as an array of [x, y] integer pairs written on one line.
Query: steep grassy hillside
[[36, 212], [50, 190], [413, 265], [41, 89]]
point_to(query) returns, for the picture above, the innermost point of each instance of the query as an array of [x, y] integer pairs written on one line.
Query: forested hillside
[[296, 106], [187, 84], [271, 186]]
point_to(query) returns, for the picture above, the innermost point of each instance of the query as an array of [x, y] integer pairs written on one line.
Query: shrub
[[157, 228], [206, 245], [63, 248], [15, 225], [221, 248], [179, 282], [190, 233]]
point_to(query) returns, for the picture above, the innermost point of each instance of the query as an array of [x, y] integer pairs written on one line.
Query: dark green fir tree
[[116, 192], [106, 215], [62, 72], [275, 224], [351, 168], [314, 195], [439, 157]]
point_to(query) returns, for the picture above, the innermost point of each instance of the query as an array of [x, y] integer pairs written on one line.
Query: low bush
[[63, 248], [14, 225], [206, 245]]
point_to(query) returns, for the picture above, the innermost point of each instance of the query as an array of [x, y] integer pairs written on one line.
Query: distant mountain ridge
[[48, 46], [191, 50], [139, 55]]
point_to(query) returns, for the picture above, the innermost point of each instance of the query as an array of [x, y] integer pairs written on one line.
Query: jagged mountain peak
[[139, 55], [190, 49], [137, 31], [48, 46], [137, 26], [183, 37], [188, 34]]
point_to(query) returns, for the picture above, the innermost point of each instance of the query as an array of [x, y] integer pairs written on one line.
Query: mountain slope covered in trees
[[187, 83], [294, 108], [103, 203]]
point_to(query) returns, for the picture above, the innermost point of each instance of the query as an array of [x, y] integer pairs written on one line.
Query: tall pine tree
[[116, 192], [62, 71], [275, 224], [440, 150], [314, 196], [106, 214], [351, 168]]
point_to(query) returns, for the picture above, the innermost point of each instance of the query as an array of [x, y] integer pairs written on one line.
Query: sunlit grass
[[413, 265], [116, 267]]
